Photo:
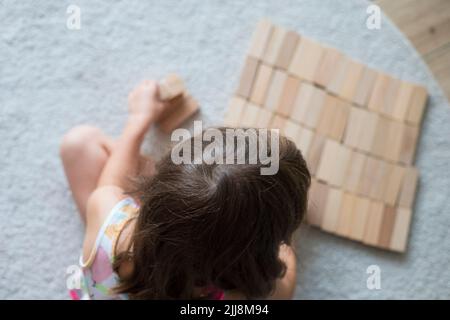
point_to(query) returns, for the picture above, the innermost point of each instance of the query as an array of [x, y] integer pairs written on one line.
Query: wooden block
[[278, 122], [409, 186], [417, 105], [275, 90], [304, 96], [367, 134], [403, 101], [351, 80], [339, 75], [339, 124], [407, 153], [318, 194], [354, 171], [327, 116], [376, 101], [332, 210], [365, 87], [188, 108], [304, 140], [379, 179], [264, 118], [387, 226], [260, 38], [365, 184], [392, 188], [381, 135], [373, 224], [315, 153], [289, 93], [261, 85], [341, 160], [274, 45], [344, 224], [306, 59], [354, 127], [250, 116], [234, 112], [401, 229], [171, 87], [287, 50], [393, 144], [390, 96], [327, 66], [247, 77], [314, 108], [360, 216], [291, 130], [327, 160]]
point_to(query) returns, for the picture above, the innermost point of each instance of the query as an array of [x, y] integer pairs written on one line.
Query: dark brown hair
[[217, 225]]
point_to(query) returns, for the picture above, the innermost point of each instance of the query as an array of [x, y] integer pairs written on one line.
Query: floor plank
[[427, 25]]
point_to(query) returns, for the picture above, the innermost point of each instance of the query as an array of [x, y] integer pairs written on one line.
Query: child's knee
[[77, 139]]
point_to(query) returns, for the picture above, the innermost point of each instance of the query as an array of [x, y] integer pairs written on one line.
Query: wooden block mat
[[356, 127]]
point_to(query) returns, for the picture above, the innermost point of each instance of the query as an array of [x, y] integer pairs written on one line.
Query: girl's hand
[[144, 105]]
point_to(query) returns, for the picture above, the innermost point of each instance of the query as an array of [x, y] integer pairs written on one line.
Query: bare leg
[[84, 152]]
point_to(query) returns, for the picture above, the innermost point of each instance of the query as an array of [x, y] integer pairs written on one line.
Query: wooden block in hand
[[287, 50], [248, 76], [261, 84], [373, 224], [409, 186], [170, 87], [179, 114], [327, 66], [318, 194], [306, 59], [401, 228], [234, 112], [260, 38], [288, 95]]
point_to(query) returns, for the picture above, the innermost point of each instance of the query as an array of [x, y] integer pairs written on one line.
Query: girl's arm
[[144, 110]]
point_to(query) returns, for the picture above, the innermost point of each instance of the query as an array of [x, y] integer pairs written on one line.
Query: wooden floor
[[427, 24]]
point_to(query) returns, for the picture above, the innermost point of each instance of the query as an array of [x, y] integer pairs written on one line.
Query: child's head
[[216, 225]]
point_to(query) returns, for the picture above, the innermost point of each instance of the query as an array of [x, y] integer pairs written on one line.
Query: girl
[[189, 231]]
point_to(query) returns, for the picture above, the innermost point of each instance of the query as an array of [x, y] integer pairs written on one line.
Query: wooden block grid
[[356, 127]]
